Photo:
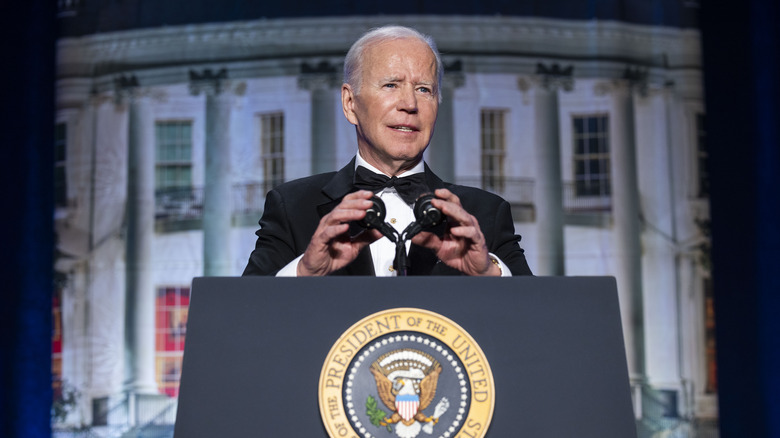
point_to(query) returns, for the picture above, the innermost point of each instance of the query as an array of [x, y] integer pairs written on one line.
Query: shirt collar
[[418, 168]]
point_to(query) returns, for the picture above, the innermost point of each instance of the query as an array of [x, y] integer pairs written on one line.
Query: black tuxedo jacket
[[293, 211]]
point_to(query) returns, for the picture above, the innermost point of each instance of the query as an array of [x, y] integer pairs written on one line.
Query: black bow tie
[[409, 188]]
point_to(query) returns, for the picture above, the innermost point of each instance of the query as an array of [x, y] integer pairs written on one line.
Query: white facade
[[496, 62]]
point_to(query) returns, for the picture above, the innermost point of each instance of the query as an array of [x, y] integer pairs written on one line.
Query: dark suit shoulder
[[468, 194], [308, 184]]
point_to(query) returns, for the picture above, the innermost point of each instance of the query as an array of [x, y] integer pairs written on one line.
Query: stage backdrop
[[173, 121]]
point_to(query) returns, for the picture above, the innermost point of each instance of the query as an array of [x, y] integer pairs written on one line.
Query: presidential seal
[[406, 373]]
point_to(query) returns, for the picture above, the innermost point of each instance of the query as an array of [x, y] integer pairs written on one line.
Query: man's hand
[[462, 246], [331, 247]]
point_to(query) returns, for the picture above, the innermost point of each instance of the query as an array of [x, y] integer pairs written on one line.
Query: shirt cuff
[[505, 272], [291, 270]]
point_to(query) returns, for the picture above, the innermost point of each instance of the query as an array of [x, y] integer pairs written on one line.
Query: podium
[[256, 347]]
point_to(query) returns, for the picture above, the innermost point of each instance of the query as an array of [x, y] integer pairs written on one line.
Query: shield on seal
[[406, 405]]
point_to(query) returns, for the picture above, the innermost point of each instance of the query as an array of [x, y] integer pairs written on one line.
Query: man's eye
[[424, 90], [390, 85]]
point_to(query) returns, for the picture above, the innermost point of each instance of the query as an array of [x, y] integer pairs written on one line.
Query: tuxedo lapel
[[423, 260], [335, 189], [341, 183], [433, 181], [338, 187]]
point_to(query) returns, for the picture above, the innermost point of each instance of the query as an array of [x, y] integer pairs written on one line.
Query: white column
[[139, 292], [625, 211], [661, 263], [441, 151], [548, 188], [324, 94], [217, 187], [76, 354]]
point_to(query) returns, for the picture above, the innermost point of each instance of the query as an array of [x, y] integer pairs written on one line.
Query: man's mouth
[[403, 128]]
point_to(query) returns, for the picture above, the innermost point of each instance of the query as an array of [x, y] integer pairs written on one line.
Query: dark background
[[741, 51], [104, 16]]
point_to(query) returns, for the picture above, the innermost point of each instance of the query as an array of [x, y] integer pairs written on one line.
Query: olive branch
[[375, 414]]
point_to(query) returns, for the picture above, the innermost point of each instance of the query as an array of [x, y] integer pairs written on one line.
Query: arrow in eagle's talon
[[441, 408]]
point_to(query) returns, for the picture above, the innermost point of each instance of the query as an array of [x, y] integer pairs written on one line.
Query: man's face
[[395, 111]]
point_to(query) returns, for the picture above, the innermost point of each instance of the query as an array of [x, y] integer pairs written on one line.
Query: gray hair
[[353, 63]]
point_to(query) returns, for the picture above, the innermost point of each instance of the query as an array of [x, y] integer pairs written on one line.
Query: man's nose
[[407, 100]]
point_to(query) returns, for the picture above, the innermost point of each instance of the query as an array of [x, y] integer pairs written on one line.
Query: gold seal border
[[332, 377]]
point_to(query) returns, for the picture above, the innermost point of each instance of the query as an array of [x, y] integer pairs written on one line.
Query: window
[[701, 158], [272, 149], [60, 156], [710, 350], [172, 309], [591, 155], [56, 343], [493, 149], [174, 198], [173, 155]]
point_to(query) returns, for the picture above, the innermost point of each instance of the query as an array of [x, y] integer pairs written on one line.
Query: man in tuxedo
[[391, 94]]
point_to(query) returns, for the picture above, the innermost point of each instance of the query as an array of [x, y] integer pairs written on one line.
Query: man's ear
[[348, 103]]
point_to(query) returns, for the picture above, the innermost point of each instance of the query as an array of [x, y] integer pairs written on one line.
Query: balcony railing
[[178, 204], [520, 191], [574, 203], [517, 191], [249, 198], [186, 204]]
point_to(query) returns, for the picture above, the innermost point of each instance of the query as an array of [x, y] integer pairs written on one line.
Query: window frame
[[590, 182], [272, 148], [493, 156], [179, 164]]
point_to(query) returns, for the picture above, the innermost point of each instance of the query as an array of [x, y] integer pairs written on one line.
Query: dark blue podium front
[[256, 345]]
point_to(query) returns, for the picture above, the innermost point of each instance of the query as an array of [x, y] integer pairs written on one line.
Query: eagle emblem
[[406, 381]]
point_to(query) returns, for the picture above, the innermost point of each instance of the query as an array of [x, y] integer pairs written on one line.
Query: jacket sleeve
[[504, 242], [275, 246]]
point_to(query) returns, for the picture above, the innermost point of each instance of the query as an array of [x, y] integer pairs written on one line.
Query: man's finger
[[466, 232], [366, 237], [449, 204], [428, 240]]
